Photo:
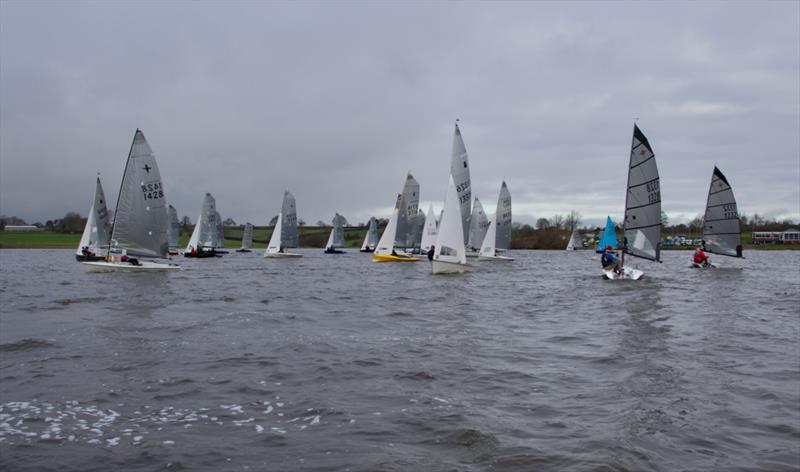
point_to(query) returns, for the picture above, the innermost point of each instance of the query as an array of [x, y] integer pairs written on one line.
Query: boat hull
[[472, 254], [495, 258], [333, 251], [83, 258], [369, 250], [391, 258], [443, 267], [243, 250], [709, 265], [281, 255], [627, 274], [143, 266]]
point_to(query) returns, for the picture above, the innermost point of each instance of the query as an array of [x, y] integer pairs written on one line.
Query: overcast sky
[[337, 101]]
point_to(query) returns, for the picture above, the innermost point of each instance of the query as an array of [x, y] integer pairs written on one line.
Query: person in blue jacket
[[609, 260]]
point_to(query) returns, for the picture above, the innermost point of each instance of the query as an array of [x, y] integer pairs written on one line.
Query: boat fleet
[[142, 233]]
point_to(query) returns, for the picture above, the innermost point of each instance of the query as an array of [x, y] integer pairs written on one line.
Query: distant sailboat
[[459, 170], [173, 230], [385, 251], [575, 241], [203, 241], [406, 218], [450, 255], [139, 228], [488, 249], [503, 219], [429, 232], [219, 234], [371, 238], [247, 238], [478, 225], [609, 237], [285, 234], [336, 238], [97, 232], [642, 225], [722, 232]]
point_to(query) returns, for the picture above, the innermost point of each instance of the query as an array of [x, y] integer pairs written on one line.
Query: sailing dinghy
[[450, 254], [488, 249], [385, 251], [574, 241], [722, 232], [247, 238], [429, 232], [96, 233], [203, 241], [336, 238], [641, 228], [371, 239], [478, 225], [285, 234], [139, 228]]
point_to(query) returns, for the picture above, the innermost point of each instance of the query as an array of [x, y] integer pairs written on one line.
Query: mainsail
[[609, 237], [140, 219], [488, 246], [502, 219], [219, 231], [386, 244], [247, 236], [289, 234], [336, 238], [450, 240], [407, 213], [574, 241], [430, 230], [721, 227], [173, 227], [274, 245], [371, 239], [97, 231], [642, 226], [478, 224], [459, 170]]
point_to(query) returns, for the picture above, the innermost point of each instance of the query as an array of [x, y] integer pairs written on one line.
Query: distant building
[[790, 236], [21, 228]]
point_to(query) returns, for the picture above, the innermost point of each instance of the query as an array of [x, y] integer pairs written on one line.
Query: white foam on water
[[268, 410], [259, 429]]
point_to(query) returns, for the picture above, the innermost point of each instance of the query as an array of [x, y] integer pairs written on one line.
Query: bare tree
[[557, 221], [573, 220], [542, 223]]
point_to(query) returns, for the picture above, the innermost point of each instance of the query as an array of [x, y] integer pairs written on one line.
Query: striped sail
[[407, 214], [503, 219], [478, 224], [140, 219], [642, 227], [721, 227], [459, 169], [247, 236], [289, 234]]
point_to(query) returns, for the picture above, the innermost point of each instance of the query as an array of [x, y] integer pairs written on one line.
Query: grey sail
[[478, 224], [140, 219], [97, 232], [371, 239], [338, 230], [503, 219], [208, 223], [247, 236], [642, 224], [289, 235], [408, 212], [417, 228], [219, 232], [722, 233], [459, 169], [173, 227]]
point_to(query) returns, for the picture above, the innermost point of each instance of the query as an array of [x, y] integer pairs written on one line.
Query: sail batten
[[721, 225], [289, 233]]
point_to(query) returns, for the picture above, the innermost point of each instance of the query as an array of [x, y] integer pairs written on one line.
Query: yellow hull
[[390, 258]]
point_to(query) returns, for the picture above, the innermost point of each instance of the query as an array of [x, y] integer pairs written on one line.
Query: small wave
[[69, 301], [26, 344], [400, 314], [421, 375]]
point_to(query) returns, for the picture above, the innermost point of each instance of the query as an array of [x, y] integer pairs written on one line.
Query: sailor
[[431, 251], [609, 260], [700, 257]]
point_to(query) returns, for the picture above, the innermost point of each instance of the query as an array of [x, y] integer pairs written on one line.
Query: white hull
[[627, 273], [709, 265], [442, 267], [281, 255], [144, 266], [495, 258]]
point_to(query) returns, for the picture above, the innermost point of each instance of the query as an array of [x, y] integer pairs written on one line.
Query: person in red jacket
[[700, 257]]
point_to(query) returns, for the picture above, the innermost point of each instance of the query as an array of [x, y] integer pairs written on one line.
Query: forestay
[[721, 227], [642, 226], [478, 224], [429, 231], [140, 219], [450, 240], [503, 218], [459, 171]]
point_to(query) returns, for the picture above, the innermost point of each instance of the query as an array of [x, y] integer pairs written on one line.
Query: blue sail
[[609, 237]]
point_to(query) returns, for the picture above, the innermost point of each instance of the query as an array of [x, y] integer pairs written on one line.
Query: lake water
[[332, 362]]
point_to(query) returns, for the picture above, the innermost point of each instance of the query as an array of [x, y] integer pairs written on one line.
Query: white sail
[[204, 234], [503, 218], [173, 227], [722, 233], [488, 246], [289, 235], [96, 233], [574, 241], [642, 225], [274, 245], [459, 170], [371, 239], [405, 220], [140, 219], [429, 231], [386, 244], [450, 240], [247, 236], [194, 239], [478, 224]]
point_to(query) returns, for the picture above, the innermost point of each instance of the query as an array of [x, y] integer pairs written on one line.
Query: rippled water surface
[[332, 362]]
